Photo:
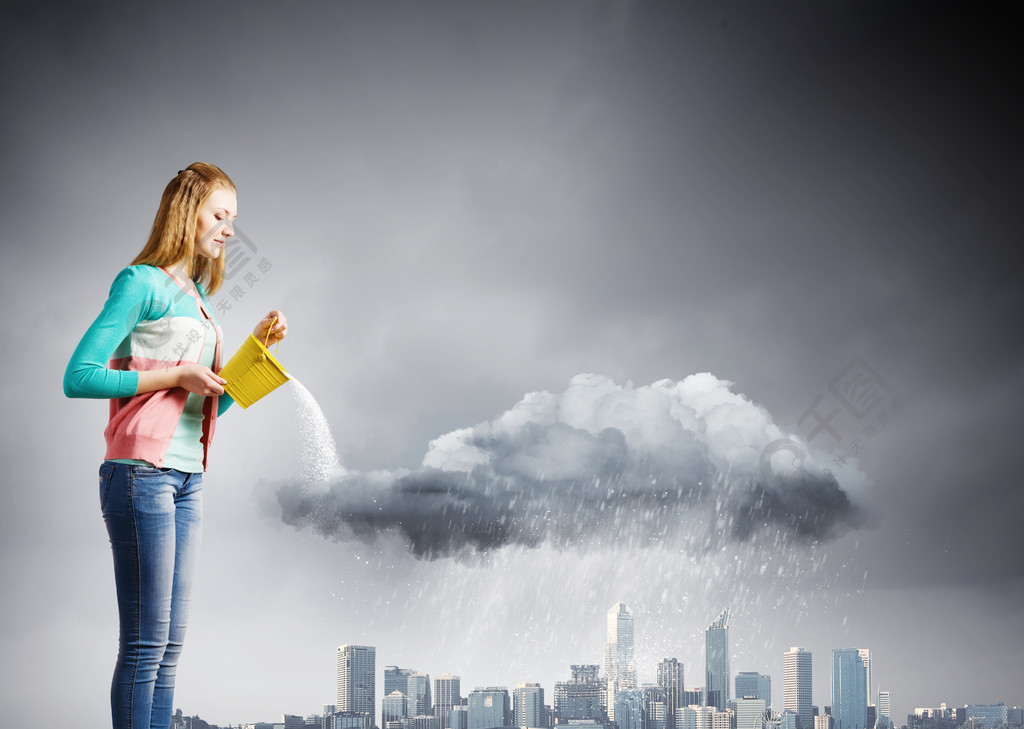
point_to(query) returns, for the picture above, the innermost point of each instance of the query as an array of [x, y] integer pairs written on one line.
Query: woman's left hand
[[265, 333]]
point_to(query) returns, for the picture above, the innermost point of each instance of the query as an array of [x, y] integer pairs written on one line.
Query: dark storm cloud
[[676, 463]]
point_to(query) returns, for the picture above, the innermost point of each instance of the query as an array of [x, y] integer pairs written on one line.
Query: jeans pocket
[[106, 476]]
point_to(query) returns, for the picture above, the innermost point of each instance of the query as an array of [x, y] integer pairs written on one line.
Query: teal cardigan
[[148, 322]]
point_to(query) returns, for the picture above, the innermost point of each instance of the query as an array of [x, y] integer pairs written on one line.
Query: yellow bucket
[[252, 372]]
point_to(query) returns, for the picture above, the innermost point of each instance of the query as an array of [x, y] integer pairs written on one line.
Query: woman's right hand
[[200, 380]]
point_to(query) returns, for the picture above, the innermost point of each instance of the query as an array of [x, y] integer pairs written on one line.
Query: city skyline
[[849, 693], [849, 698]]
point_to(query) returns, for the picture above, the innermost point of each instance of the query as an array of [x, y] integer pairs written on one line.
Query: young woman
[[155, 351]]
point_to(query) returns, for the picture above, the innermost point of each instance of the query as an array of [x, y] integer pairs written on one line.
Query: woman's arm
[[87, 374], [194, 378]]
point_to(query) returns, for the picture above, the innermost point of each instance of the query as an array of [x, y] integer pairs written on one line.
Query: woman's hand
[[200, 380], [265, 333]]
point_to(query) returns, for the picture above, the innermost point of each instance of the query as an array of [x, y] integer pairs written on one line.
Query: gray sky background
[[462, 203]]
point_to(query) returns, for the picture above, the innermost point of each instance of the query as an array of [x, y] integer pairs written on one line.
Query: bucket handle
[[272, 321]]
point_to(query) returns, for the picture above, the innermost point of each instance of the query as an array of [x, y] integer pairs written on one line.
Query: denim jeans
[[154, 519]]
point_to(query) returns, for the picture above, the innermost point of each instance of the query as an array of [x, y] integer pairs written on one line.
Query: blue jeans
[[154, 519]]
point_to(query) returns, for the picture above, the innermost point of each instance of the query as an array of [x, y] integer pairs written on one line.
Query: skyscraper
[[356, 665], [693, 696], [582, 697], [716, 662], [528, 705], [629, 709], [884, 710], [849, 690], [694, 717], [489, 707], [419, 694], [757, 685], [447, 694], [749, 713], [796, 686], [670, 678], [865, 657], [394, 708], [619, 660], [395, 679]]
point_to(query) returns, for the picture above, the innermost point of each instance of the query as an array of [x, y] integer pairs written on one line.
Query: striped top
[[148, 322]]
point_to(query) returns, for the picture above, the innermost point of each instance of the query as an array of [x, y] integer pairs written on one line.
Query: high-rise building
[[865, 657], [849, 690], [419, 694], [884, 710], [619, 660], [986, 715], [694, 716], [694, 696], [458, 717], [395, 679], [327, 718], [356, 664], [716, 662], [528, 705], [583, 697], [655, 708], [489, 707], [394, 708], [670, 678], [749, 713], [754, 684], [629, 709], [447, 694], [796, 686]]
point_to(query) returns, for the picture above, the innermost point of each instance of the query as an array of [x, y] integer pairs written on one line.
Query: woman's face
[[214, 224]]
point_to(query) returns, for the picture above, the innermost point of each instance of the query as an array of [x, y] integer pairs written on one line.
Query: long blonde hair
[[174, 229]]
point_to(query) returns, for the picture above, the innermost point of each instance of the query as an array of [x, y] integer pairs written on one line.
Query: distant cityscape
[[615, 700]]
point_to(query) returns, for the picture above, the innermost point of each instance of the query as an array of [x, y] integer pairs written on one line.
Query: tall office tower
[[655, 706], [582, 697], [356, 680], [849, 690], [796, 686], [865, 657], [884, 710], [489, 707], [754, 684], [619, 660], [447, 694], [716, 662], [749, 713], [419, 694], [458, 717], [396, 679], [694, 696], [670, 678], [528, 705], [394, 708], [787, 719], [694, 717], [629, 709]]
